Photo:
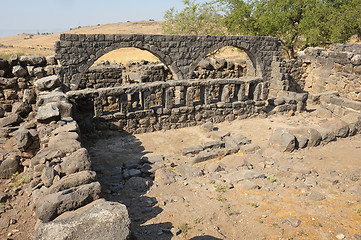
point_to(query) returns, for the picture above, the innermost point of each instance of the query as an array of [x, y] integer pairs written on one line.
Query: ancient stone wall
[[338, 69], [181, 54]]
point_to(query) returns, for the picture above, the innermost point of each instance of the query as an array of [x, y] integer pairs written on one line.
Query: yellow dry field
[[33, 44]]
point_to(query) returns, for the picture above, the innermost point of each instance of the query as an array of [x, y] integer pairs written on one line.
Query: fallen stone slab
[[240, 139], [241, 175], [52, 205], [282, 140], [100, 219], [340, 128], [213, 144], [206, 155], [230, 145], [72, 180], [10, 120], [189, 172], [327, 134], [192, 150], [47, 113], [69, 127]]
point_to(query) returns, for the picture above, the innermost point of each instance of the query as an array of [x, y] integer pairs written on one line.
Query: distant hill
[[33, 44]]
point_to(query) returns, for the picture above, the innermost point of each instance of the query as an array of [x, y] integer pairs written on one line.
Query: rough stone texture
[[78, 161], [36, 61], [283, 140], [164, 176], [52, 205], [47, 176], [19, 71], [48, 113], [262, 50], [9, 165], [72, 180], [9, 120], [100, 219], [47, 83]]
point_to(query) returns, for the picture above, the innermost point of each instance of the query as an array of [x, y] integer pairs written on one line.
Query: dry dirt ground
[[202, 204]]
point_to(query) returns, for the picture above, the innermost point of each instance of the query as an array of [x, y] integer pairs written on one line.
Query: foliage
[[195, 18], [297, 23]]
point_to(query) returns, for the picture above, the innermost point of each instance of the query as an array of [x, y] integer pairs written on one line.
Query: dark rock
[[192, 150], [164, 176], [213, 144], [21, 108], [76, 162], [10, 120], [137, 184], [283, 140], [23, 138], [14, 59], [47, 83], [47, 176], [100, 219], [19, 71], [206, 155], [52, 205], [72, 180], [9, 165], [36, 61], [29, 96]]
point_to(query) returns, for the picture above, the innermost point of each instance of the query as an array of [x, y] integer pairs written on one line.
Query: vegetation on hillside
[[297, 23]]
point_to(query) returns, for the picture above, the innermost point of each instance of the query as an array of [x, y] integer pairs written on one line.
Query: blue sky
[[32, 16]]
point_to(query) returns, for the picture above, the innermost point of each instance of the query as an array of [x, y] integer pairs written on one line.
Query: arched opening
[[126, 66]]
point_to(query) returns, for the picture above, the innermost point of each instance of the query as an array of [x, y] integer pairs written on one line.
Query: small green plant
[[198, 220], [272, 179], [220, 188], [253, 204], [261, 221], [14, 175], [320, 225], [2, 205], [221, 199], [353, 178], [275, 225], [184, 228], [18, 182]]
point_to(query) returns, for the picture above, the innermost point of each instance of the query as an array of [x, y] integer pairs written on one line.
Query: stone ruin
[[46, 103]]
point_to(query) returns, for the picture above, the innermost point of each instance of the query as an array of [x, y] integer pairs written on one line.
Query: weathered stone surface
[[78, 161], [340, 128], [100, 219], [189, 172], [48, 113], [206, 155], [69, 127], [52, 205], [241, 175], [72, 180], [47, 83], [29, 96], [32, 60], [58, 151], [192, 150], [23, 138], [230, 145], [327, 135], [317, 196], [164, 176], [213, 144], [249, 185], [9, 165], [19, 71], [47, 176], [12, 119], [21, 108], [283, 140]]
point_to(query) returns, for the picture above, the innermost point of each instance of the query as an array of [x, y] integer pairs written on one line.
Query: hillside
[[33, 44]]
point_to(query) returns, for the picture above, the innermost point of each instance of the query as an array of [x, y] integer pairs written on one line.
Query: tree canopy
[[297, 23]]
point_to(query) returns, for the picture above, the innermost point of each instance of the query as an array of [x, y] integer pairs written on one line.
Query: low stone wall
[[318, 70], [177, 104]]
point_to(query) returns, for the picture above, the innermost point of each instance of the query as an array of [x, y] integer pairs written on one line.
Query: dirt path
[[308, 194]]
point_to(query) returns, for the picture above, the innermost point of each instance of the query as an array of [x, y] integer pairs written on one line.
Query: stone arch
[[166, 60], [256, 63]]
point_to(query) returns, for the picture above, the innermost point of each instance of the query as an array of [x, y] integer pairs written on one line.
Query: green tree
[[195, 18], [297, 23]]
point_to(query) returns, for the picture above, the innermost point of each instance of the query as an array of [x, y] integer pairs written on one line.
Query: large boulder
[[52, 205], [48, 113], [12, 119], [72, 180], [21, 108], [100, 219], [23, 138], [19, 71], [283, 140], [78, 161], [10, 165], [36, 61], [47, 83]]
